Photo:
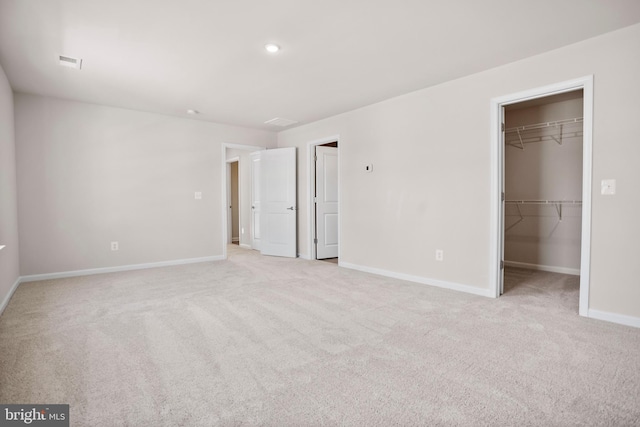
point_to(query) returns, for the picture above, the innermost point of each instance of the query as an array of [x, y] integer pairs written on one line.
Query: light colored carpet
[[268, 341]]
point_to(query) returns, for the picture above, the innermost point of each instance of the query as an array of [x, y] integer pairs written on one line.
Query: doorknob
[[291, 208], [253, 207]]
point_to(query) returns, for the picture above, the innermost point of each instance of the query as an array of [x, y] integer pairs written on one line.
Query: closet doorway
[[544, 193], [233, 201], [324, 200], [244, 231]]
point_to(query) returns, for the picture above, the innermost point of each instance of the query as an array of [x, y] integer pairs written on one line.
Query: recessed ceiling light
[[272, 48], [67, 61], [193, 112]]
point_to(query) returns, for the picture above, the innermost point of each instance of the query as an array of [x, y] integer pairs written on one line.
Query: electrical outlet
[[114, 246], [439, 255], [198, 195]]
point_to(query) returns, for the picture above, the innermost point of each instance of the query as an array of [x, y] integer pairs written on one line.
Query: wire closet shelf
[[557, 131], [555, 203]]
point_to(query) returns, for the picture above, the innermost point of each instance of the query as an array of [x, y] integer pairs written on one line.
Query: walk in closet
[[543, 185]]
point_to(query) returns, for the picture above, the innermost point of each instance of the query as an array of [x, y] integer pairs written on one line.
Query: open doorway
[[241, 156], [266, 199], [543, 191], [233, 199], [324, 217], [543, 196]]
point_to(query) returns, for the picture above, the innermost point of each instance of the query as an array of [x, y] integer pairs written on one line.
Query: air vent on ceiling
[[280, 122], [70, 62]]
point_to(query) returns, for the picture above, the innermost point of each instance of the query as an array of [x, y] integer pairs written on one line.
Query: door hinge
[[315, 157], [315, 200], [502, 126], [503, 196], [315, 241], [501, 265]]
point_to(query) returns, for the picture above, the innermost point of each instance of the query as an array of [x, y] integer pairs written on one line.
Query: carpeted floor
[[268, 341]]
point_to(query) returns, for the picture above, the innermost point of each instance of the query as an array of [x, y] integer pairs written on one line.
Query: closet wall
[[543, 162]]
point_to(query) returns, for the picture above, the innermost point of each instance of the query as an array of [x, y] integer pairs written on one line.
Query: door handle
[[291, 208]]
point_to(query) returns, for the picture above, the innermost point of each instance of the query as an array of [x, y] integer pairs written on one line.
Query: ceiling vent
[[280, 122], [67, 61]]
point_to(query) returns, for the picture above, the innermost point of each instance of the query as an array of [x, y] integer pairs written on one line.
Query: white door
[[326, 202], [278, 197], [255, 200]]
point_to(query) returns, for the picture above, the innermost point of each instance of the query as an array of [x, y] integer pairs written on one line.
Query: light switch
[[608, 187], [198, 195], [368, 168]]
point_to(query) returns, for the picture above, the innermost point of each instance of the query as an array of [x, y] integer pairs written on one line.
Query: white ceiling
[[167, 56]]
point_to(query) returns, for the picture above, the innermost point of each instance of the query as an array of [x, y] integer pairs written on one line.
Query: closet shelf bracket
[[520, 138], [559, 210], [518, 221], [559, 138]]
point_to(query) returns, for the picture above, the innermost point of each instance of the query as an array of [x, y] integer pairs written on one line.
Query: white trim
[[587, 180], [614, 318], [496, 232], [223, 183], [540, 267], [304, 256], [586, 84], [89, 272], [311, 184], [422, 280], [7, 298]]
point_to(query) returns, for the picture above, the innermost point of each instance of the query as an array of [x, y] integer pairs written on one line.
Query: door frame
[[497, 174], [311, 185], [223, 184]]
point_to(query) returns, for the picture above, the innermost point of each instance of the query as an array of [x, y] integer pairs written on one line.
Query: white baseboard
[[6, 299], [48, 276], [304, 256], [549, 268], [615, 318], [235, 239], [244, 245], [418, 279]]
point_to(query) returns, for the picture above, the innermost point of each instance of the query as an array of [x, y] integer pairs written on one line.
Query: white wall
[[9, 256], [89, 175], [544, 170], [430, 188]]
